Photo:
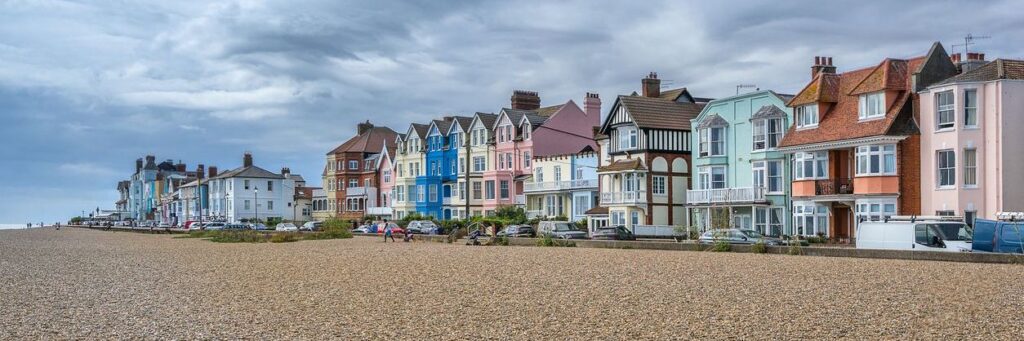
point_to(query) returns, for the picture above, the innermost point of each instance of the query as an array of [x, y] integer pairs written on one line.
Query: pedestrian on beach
[[387, 231]]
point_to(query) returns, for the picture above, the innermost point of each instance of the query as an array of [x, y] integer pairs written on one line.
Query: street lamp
[[257, 199]]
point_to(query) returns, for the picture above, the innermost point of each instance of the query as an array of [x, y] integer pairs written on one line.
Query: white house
[[251, 192]]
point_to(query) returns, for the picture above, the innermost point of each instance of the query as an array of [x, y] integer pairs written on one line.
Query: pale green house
[[739, 179]]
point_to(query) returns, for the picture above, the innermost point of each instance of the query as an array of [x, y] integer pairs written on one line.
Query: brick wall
[[909, 151]]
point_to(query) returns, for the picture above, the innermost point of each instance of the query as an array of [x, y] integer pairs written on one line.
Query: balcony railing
[[559, 185], [530, 214], [634, 197], [725, 195], [520, 199], [357, 191], [833, 186]]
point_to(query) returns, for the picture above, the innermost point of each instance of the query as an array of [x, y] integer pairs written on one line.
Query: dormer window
[[872, 105], [712, 141], [807, 116], [526, 131], [628, 138]]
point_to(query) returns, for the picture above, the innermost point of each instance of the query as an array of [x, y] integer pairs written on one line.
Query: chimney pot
[[212, 171], [285, 171], [817, 60], [822, 65], [651, 86], [247, 159], [525, 100]]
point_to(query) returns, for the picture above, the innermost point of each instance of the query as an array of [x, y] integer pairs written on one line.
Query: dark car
[[518, 231], [737, 236], [612, 233]]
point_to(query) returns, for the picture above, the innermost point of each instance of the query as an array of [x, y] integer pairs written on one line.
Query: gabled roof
[[713, 120], [535, 120], [249, 172], [823, 88], [768, 111], [514, 116], [385, 154], [419, 129], [442, 126], [369, 141], [461, 122], [994, 70], [623, 165], [548, 111], [841, 120], [659, 113]]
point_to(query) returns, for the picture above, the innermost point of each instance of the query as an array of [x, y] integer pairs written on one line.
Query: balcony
[[520, 199], [726, 195], [842, 186], [559, 185], [360, 191], [634, 197]]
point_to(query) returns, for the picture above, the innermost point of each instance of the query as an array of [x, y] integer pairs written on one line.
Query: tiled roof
[[623, 165], [464, 122], [420, 129], [658, 113], [487, 119], [442, 126], [370, 141], [768, 111], [713, 120], [997, 69], [548, 111], [249, 172], [841, 120], [823, 88], [597, 210]]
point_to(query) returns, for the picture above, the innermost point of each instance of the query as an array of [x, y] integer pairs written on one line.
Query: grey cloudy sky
[[86, 87]]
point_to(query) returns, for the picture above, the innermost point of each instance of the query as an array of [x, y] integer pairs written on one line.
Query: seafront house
[[480, 161], [460, 145], [436, 182], [971, 141], [644, 162], [855, 144], [563, 182], [145, 196], [386, 175], [321, 211], [740, 178], [250, 192], [350, 175], [409, 163]]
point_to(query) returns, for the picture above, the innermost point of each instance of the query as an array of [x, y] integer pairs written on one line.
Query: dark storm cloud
[[87, 87]]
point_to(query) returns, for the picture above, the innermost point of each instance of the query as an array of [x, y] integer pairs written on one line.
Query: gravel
[[86, 284]]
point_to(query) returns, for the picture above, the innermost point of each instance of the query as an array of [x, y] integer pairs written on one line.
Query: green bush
[[511, 214], [286, 237], [238, 237], [547, 241], [500, 240], [759, 247], [794, 249], [721, 246]]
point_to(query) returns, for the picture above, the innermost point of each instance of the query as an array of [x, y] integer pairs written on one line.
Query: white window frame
[[807, 116], [504, 190], [764, 222], [659, 185], [818, 162], [421, 195], [818, 214], [527, 160], [353, 164], [875, 209], [880, 156], [708, 144], [871, 106], [706, 174], [945, 110], [970, 159], [762, 175], [945, 164], [628, 138], [971, 109]]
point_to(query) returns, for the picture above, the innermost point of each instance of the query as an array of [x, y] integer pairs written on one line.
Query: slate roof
[[994, 70], [841, 121], [249, 172], [464, 122], [658, 113], [420, 129], [767, 111], [487, 119], [713, 120], [535, 120], [442, 126], [370, 141], [623, 165], [548, 111]]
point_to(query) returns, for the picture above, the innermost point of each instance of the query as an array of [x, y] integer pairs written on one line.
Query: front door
[[743, 221]]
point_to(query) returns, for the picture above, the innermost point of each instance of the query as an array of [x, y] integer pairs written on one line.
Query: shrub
[[238, 237], [456, 234], [759, 247], [721, 246], [794, 248], [511, 214], [284, 237], [547, 241], [336, 224], [500, 240]]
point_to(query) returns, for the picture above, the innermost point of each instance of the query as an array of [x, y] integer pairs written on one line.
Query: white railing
[[357, 191], [520, 199], [635, 197], [725, 195], [654, 230], [378, 211], [559, 185], [446, 200], [534, 214]]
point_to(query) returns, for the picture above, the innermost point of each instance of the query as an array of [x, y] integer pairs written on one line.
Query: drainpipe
[[469, 158]]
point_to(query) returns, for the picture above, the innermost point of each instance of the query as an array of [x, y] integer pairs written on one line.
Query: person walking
[[387, 231]]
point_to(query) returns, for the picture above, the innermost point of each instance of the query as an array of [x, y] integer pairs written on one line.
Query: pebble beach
[[88, 284]]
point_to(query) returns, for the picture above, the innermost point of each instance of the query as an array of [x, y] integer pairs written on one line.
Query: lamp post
[[257, 199]]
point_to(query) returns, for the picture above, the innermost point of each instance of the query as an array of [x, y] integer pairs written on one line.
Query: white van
[[915, 233]]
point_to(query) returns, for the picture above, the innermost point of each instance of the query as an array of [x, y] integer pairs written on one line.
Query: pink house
[[386, 174], [527, 130], [971, 140]]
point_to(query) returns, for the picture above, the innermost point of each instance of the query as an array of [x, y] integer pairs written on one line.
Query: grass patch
[[547, 241], [286, 237], [264, 237]]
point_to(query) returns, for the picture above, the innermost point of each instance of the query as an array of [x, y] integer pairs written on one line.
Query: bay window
[[875, 209], [872, 105], [768, 220], [876, 160], [712, 141], [944, 117], [810, 165], [810, 219], [807, 116]]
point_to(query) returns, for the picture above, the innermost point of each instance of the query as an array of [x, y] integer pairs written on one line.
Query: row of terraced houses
[[931, 134]]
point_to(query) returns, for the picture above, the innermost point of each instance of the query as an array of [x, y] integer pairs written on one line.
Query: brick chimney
[[974, 60], [138, 165], [180, 167], [651, 85], [286, 171], [200, 169], [592, 107], [822, 64], [212, 171], [150, 161], [525, 100], [247, 159], [363, 127]]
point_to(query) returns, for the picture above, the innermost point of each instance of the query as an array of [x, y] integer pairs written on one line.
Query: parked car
[[311, 226], [422, 227], [214, 226], [287, 227], [998, 236], [924, 233], [613, 233], [737, 236], [560, 229], [163, 225], [394, 229], [236, 227], [369, 228], [258, 226], [518, 231]]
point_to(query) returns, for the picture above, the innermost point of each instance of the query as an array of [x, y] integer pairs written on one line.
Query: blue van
[[998, 236]]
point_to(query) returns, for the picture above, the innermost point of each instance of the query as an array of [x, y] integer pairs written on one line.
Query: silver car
[[737, 236]]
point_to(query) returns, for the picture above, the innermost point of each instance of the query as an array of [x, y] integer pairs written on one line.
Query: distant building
[[350, 176], [250, 192]]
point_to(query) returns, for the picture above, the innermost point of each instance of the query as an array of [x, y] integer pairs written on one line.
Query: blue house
[[441, 169]]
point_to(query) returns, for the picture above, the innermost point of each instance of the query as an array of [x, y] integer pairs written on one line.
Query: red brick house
[[350, 176]]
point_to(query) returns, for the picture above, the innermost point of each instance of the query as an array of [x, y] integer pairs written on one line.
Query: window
[[712, 141], [400, 193], [477, 190], [628, 138], [353, 183], [270, 205], [809, 166], [246, 204], [579, 172], [479, 164], [368, 165], [635, 218], [971, 108], [807, 116], [767, 133], [245, 184], [453, 166], [876, 160], [490, 189], [526, 159], [387, 175], [538, 175], [508, 160], [712, 177], [875, 209], [945, 213], [618, 218], [872, 105], [462, 165], [810, 219], [353, 164], [501, 161], [366, 182], [768, 175], [558, 173], [270, 186], [433, 192], [462, 191], [946, 164], [504, 189], [339, 167], [526, 131], [658, 185], [970, 167], [768, 220], [944, 117], [400, 170]]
